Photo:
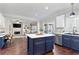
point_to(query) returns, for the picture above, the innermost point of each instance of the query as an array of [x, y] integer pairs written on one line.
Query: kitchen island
[[40, 43]]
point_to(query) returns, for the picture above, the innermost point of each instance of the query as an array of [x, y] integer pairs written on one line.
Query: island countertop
[[40, 35]]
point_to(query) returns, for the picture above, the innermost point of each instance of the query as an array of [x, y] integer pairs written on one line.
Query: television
[[18, 32], [16, 25]]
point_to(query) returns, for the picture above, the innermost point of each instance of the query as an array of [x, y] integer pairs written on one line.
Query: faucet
[[74, 30]]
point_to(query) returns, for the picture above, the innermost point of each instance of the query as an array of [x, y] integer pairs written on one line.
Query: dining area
[[12, 46], [5, 40]]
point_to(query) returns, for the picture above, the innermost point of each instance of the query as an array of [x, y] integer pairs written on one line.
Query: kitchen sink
[[72, 34]]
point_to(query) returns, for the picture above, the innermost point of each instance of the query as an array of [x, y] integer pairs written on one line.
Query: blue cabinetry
[[30, 45], [42, 45], [2, 43], [66, 40], [75, 43], [39, 46], [49, 45], [70, 41]]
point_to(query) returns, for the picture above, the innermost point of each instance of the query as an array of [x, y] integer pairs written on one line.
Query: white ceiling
[[32, 10]]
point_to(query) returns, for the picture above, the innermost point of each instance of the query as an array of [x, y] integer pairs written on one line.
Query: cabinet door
[[39, 46], [75, 43], [49, 43], [66, 41]]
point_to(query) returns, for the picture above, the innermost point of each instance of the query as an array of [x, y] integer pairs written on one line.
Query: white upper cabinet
[[60, 21]]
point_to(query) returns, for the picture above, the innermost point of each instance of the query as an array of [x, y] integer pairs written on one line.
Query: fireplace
[[17, 32]]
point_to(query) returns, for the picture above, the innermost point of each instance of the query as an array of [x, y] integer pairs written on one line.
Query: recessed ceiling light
[[46, 8]]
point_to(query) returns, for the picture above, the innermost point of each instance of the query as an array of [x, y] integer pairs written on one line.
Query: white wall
[[8, 25], [2, 23], [9, 28]]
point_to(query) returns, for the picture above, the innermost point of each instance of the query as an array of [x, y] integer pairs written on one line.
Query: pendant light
[[72, 13], [18, 21]]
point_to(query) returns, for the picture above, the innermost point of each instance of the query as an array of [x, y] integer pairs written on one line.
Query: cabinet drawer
[[75, 37], [39, 39], [38, 43], [52, 38], [65, 36]]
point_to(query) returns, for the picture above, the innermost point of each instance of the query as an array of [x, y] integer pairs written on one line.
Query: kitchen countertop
[[39, 35], [2, 35], [72, 34], [67, 33]]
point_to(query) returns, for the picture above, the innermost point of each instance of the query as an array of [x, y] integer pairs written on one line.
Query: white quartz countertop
[[38, 36], [71, 35]]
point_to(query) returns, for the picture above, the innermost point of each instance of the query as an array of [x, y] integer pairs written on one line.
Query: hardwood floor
[[19, 47], [59, 50]]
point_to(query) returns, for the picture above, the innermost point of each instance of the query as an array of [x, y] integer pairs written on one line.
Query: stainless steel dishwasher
[[58, 39]]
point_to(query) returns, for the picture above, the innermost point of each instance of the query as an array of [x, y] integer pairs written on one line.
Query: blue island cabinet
[[49, 43], [37, 46]]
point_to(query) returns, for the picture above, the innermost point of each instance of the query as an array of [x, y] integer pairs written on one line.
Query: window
[[60, 21]]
